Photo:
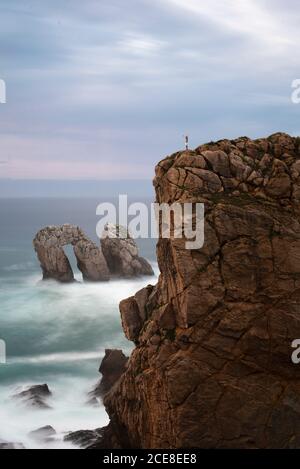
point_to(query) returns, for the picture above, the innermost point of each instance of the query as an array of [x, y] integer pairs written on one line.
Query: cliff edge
[[212, 365]]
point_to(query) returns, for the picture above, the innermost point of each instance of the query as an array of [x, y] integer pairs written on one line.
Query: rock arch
[[116, 257], [49, 243]]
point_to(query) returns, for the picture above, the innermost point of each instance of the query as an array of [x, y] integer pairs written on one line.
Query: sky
[[104, 89]]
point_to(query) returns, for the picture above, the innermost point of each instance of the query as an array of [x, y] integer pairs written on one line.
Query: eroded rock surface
[[212, 367], [122, 254]]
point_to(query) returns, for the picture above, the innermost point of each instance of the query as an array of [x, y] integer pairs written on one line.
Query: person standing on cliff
[[186, 138]]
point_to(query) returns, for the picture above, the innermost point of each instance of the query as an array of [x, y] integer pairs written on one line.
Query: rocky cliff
[[212, 365]]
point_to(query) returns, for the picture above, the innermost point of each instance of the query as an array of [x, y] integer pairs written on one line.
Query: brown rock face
[[212, 367], [112, 367]]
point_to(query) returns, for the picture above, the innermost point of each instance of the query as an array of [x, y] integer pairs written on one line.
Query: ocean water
[[55, 334]]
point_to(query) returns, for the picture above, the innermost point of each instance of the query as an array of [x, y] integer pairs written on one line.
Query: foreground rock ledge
[[212, 367]]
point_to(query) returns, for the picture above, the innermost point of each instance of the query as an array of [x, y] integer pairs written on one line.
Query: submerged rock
[[44, 434], [7, 445], [213, 366], [101, 438], [122, 254], [85, 438], [35, 396]]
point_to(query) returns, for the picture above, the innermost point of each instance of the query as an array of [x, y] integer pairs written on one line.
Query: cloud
[[106, 90], [246, 17]]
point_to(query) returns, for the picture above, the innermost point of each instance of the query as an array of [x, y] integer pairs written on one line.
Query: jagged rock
[[35, 396], [43, 434], [134, 313], [122, 254], [222, 377], [112, 367], [85, 438], [49, 243]]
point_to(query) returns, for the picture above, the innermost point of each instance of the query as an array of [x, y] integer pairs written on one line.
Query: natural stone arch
[[49, 243]]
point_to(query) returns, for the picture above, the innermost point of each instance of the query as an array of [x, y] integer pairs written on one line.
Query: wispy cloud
[[247, 17]]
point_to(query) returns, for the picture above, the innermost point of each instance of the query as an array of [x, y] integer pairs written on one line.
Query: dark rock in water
[[106, 440], [112, 367], [35, 396], [101, 438], [122, 254], [84, 438], [43, 433], [7, 445], [93, 401]]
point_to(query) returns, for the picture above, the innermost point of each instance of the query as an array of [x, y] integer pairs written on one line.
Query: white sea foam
[[19, 267], [69, 413], [56, 334]]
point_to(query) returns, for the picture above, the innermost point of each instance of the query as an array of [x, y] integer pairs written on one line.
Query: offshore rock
[[49, 243], [122, 254]]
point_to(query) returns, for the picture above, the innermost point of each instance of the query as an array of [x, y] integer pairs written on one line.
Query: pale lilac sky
[[105, 89]]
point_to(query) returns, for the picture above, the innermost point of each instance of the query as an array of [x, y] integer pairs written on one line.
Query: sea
[[55, 333]]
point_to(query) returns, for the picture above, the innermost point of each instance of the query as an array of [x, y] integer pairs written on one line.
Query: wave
[[68, 413], [24, 266], [63, 357]]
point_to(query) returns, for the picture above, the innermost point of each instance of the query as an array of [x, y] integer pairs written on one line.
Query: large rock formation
[[118, 255], [49, 243], [212, 367], [122, 254]]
